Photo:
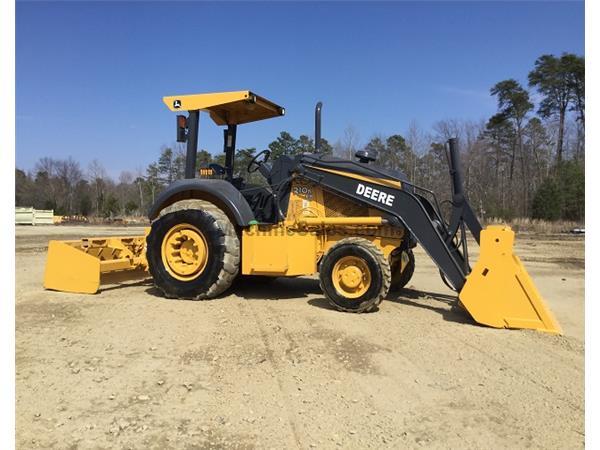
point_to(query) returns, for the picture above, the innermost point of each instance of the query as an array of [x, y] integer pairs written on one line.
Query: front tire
[[355, 275], [400, 278], [193, 251]]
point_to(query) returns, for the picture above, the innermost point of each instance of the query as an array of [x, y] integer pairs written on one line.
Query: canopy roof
[[227, 108]]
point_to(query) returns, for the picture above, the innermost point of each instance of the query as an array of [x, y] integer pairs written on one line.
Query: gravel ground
[[272, 366]]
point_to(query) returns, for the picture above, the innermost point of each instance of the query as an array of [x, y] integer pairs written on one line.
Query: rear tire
[[218, 264], [355, 275]]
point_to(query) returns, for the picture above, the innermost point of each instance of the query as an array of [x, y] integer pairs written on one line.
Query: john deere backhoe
[[352, 222]]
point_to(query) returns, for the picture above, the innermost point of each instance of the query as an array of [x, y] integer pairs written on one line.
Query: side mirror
[[181, 129]]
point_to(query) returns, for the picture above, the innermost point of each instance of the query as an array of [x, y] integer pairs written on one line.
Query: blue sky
[[90, 76]]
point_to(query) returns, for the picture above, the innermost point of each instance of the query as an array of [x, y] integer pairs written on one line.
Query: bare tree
[[45, 182], [69, 174], [124, 189], [349, 143], [446, 129], [179, 161], [139, 182], [419, 143], [97, 179]]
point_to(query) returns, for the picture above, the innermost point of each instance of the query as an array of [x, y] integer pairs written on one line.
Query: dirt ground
[[272, 366]]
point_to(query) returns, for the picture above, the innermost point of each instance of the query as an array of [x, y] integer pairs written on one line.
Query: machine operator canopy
[[227, 108]]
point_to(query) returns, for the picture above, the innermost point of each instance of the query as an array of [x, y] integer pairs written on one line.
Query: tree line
[[66, 187], [523, 161]]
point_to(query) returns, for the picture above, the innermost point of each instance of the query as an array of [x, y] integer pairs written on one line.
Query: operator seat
[[281, 170], [262, 198]]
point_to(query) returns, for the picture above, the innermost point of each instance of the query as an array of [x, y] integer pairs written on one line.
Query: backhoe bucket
[[77, 266], [499, 292]]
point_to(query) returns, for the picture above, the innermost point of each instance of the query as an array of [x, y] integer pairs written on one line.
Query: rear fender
[[219, 192]]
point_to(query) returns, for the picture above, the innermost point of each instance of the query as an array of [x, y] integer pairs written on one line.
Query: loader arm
[[406, 207]]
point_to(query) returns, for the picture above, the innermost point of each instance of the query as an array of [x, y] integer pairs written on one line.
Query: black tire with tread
[[401, 279], [224, 250], [381, 275]]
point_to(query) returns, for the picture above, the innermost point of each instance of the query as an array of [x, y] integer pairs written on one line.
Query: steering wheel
[[258, 161]]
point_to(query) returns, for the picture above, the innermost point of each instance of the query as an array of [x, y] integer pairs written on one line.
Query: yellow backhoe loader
[[351, 221]]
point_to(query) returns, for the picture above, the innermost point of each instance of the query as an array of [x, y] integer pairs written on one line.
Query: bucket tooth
[[499, 292]]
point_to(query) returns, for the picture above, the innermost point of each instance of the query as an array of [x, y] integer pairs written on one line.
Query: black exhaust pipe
[[318, 127], [455, 169]]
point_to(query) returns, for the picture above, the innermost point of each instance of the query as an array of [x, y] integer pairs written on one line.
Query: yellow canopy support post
[[499, 292]]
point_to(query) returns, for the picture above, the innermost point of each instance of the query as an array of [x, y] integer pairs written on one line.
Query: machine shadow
[[301, 287], [119, 280], [323, 303], [407, 293], [265, 289], [410, 297], [275, 289]]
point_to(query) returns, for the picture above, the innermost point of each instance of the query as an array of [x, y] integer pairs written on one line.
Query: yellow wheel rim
[[351, 276], [184, 252]]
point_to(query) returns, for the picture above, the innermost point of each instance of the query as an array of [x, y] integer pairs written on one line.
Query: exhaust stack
[[318, 127]]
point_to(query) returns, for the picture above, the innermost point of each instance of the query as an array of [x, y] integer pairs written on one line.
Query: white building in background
[[30, 216]]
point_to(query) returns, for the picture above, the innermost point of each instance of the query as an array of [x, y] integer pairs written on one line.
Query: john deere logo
[[176, 104], [375, 194]]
